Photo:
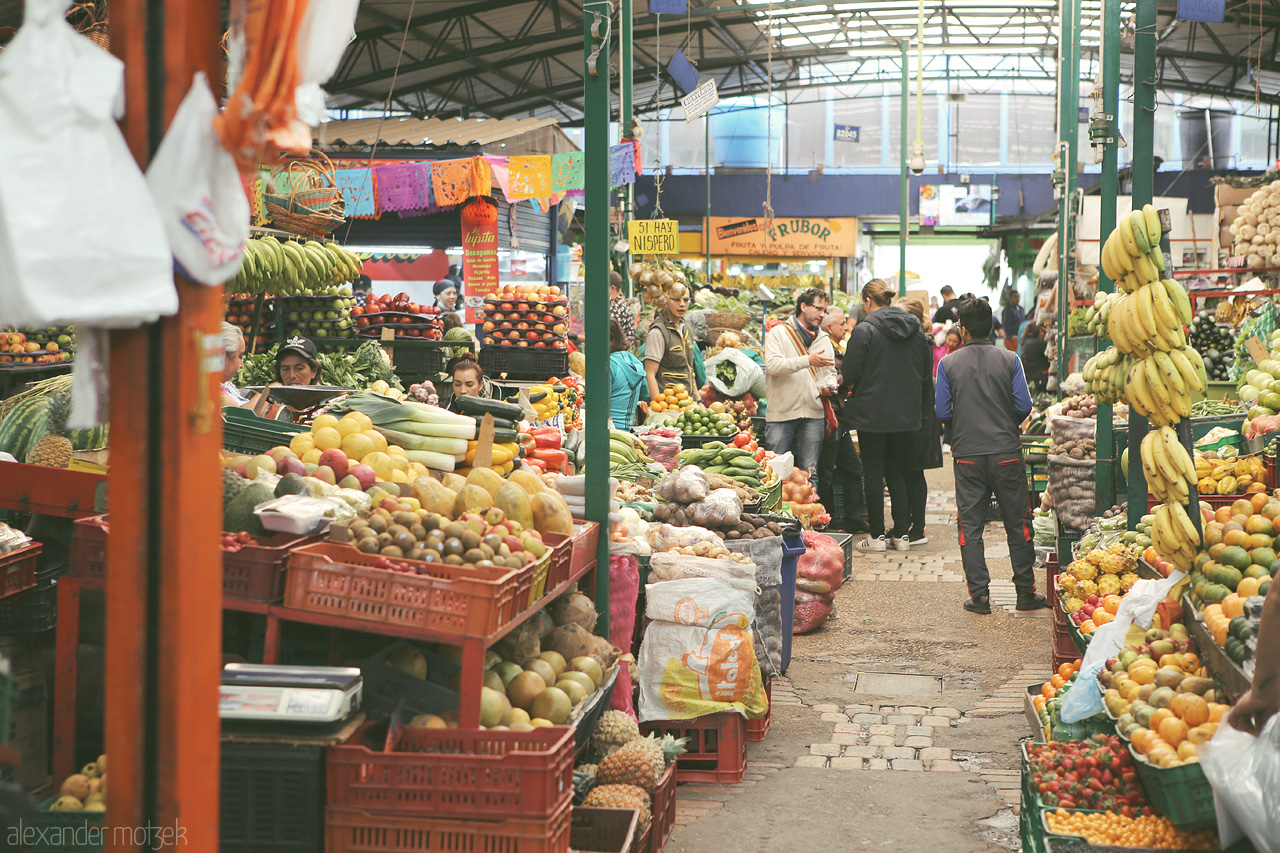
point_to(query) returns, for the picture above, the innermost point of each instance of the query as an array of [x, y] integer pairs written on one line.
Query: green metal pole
[[904, 201], [625, 94], [1144, 109], [1068, 134], [706, 171], [1110, 106], [596, 300]]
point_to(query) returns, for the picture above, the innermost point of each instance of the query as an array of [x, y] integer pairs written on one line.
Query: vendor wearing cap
[[671, 357], [297, 364], [448, 295]]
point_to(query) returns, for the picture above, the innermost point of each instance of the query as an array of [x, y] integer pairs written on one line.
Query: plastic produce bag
[[624, 589], [195, 183], [661, 449], [1073, 489], [702, 659], [721, 508], [81, 239], [767, 556], [812, 611], [664, 537], [328, 28], [1245, 774], [749, 378], [821, 564], [1084, 699], [685, 486], [665, 568]]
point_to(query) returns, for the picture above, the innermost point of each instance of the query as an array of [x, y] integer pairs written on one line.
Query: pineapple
[[54, 449], [584, 779], [619, 797], [615, 729], [640, 762]]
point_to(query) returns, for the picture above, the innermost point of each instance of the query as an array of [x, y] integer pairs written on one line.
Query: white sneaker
[[946, 448], [873, 543], [923, 540], [901, 543]]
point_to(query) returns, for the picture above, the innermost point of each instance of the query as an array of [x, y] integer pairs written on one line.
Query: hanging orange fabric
[[481, 177], [451, 181]]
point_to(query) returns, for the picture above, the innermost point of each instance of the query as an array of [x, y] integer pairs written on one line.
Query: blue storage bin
[[792, 548]]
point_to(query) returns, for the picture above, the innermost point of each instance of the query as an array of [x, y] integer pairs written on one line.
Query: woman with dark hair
[[927, 453], [1035, 358], [468, 379], [626, 378], [885, 370], [448, 295], [297, 363]]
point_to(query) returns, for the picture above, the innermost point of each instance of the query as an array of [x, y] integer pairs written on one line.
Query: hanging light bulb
[[917, 159]]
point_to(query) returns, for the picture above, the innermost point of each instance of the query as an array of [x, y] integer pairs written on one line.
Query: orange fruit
[[1243, 506], [1173, 731]]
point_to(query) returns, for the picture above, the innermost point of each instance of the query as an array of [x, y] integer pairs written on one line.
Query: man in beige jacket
[[799, 364]]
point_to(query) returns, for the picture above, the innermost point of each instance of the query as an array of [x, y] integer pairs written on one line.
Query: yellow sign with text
[[790, 237], [653, 236]]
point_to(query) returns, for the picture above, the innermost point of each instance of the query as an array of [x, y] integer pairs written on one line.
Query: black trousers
[[839, 462], [883, 455], [977, 479], [917, 494]]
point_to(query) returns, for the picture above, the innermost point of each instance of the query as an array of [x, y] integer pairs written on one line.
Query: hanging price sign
[[653, 236]]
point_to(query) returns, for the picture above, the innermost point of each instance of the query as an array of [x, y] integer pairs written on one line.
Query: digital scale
[[289, 694]]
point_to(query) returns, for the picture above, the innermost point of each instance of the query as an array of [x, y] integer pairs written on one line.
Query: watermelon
[[23, 426]]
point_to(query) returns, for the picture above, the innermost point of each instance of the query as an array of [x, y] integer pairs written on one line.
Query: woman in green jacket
[[626, 378]]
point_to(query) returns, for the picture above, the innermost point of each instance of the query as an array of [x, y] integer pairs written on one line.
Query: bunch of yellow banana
[[1104, 375], [1159, 386], [292, 268], [1131, 255], [1099, 313], [1167, 465], [1150, 319], [1174, 536]]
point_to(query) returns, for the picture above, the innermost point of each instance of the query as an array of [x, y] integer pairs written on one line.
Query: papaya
[[551, 513], [471, 499], [514, 501], [454, 481], [487, 479], [433, 496], [527, 480]]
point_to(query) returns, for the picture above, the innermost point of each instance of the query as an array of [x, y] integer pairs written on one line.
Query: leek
[[458, 431], [433, 460], [433, 444]]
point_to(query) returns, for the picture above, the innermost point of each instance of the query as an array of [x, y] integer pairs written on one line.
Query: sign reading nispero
[[653, 236]]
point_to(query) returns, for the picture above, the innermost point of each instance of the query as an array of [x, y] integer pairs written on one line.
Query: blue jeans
[[801, 436]]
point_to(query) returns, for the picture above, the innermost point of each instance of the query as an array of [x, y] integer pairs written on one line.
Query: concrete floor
[[845, 769]]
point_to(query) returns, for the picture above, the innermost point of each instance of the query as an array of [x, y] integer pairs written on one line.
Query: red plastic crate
[[663, 821], [561, 554], [757, 729], [351, 831], [605, 830], [335, 578], [18, 571], [254, 573], [1051, 579], [1269, 463], [585, 541], [464, 773], [717, 750]]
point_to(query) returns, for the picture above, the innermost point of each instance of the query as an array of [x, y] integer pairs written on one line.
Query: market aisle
[[857, 757]]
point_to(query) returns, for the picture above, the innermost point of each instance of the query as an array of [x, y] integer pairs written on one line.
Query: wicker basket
[[94, 25], [726, 321], [313, 204]]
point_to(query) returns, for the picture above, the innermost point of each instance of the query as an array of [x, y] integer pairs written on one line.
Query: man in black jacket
[[982, 391]]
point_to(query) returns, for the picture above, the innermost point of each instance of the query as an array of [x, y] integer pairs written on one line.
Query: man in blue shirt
[[1013, 317], [983, 393]]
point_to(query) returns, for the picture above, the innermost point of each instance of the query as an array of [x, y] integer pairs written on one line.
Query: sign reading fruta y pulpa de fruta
[[790, 237], [479, 263]]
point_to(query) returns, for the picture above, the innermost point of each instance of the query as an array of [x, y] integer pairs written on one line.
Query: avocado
[[291, 484]]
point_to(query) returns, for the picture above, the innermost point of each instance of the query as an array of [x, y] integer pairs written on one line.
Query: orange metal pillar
[[164, 562]]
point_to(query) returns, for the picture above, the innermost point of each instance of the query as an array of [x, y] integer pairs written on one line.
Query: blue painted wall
[[738, 194]]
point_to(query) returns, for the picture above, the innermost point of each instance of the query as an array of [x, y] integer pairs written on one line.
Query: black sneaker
[[917, 539], [979, 604], [1032, 601], [857, 527]]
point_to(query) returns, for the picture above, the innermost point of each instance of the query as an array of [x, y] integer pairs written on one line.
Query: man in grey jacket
[[982, 391]]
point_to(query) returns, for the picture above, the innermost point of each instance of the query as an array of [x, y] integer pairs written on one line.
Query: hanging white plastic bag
[[196, 184], [81, 240], [749, 377], [1245, 774], [326, 31]]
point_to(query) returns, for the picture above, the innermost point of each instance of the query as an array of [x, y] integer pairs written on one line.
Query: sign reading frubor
[[793, 237]]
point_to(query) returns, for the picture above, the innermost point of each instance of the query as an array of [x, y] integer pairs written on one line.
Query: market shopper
[[448, 295], [839, 462], [947, 313], [1262, 701], [1012, 318], [927, 452], [799, 365], [468, 379], [670, 354], [1035, 358], [233, 348], [982, 391], [626, 379], [619, 309], [885, 370]]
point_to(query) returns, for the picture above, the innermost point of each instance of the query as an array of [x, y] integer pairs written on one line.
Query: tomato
[[741, 439]]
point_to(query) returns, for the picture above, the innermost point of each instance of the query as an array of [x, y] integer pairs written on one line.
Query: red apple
[[336, 461], [540, 345]]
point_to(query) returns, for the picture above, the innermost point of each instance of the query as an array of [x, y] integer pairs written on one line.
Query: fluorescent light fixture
[[392, 250], [960, 50]]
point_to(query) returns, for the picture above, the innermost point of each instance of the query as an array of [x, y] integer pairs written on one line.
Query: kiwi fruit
[[433, 521], [377, 523], [453, 547], [454, 530], [471, 539], [473, 555], [405, 518], [405, 539], [385, 539], [493, 542], [367, 545], [419, 532], [513, 562], [453, 560], [430, 556], [393, 551]]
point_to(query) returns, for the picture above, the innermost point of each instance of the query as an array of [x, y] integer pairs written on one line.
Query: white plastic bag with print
[[196, 184], [81, 240], [701, 659], [1245, 774], [1139, 604]]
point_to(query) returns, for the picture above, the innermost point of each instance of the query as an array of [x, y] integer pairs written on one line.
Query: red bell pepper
[[554, 460], [547, 438], [535, 463]]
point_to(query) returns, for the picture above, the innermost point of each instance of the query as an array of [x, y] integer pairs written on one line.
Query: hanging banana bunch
[[293, 268], [1159, 374]]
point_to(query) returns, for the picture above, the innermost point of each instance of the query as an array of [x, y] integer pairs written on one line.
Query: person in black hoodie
[[927, 443], [884, 372]]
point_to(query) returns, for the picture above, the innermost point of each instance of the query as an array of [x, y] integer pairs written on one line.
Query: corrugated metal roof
[[506, 136]]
